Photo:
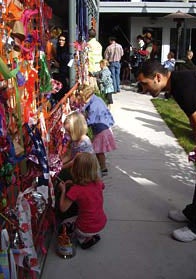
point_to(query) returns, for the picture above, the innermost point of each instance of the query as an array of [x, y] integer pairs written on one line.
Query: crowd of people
[[84, 163], [107, 74]]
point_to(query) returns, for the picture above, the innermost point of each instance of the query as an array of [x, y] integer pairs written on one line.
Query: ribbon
[[26, 16], [45, 134]]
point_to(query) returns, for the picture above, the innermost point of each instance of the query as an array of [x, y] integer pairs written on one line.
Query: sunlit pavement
[[149, 174]]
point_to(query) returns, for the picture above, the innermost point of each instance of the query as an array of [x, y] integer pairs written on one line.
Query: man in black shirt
[[154, 78]]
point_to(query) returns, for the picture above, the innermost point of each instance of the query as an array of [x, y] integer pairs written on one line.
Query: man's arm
[[106, 54]]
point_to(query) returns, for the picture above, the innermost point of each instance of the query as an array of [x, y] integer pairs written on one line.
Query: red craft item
[[30, 83]]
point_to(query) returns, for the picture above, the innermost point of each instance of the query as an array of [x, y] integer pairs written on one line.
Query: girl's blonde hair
[[86, 91], [104, 62], [77, 124], [85, 168]]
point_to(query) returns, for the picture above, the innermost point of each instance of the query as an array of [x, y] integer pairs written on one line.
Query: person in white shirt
[[170, 62], [94, 52]]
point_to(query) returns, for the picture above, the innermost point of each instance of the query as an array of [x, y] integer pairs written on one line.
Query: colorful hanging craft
[[29, 127], [45, 78]]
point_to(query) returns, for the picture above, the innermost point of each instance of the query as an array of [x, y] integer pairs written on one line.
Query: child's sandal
[[90, 242]]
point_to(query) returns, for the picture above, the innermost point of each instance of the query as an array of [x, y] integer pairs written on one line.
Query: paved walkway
[[148, 174]]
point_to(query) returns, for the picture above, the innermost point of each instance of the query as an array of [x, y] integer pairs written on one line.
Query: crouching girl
[[87, 192]]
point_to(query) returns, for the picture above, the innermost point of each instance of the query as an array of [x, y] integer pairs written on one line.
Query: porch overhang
[[146, 7]]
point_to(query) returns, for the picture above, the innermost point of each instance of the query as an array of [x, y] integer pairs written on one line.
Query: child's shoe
[[92, 241], [104, 172]]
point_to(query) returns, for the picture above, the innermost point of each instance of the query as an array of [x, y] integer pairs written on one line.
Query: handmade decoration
[[18, 34], [32, 138], [14, 10], [27, 256]]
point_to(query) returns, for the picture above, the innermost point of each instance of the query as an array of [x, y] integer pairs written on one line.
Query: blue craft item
[[12, 158], [40, 151], [29, 38], [20, 79]]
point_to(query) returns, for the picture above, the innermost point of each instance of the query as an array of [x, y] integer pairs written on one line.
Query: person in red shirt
[[87, 193]]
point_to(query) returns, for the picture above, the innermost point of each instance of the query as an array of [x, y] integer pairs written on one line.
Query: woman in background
[[61, 60]]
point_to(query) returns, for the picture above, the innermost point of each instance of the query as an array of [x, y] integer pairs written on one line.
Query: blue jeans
[[115, 71]]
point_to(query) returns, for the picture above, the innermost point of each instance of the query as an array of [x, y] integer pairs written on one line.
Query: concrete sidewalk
[[149, 174]]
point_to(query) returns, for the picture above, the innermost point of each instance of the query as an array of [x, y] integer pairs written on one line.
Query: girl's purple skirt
[[104, 141]]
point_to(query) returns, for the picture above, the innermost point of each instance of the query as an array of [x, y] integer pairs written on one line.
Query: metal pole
[[97, 25], [190, 38], [72, 38], [179, 31], [184, 38]]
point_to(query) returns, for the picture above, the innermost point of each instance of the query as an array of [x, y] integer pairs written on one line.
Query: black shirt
[[63, 59], [183, 89]]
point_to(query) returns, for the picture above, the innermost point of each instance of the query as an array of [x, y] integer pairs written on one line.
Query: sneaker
[[184, 234], [177, 215]]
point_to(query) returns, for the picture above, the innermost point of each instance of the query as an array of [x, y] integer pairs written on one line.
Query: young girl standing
[[100, 120], [87, 193], [106, 82]]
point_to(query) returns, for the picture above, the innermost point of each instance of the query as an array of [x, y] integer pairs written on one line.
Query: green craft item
[[5, 71], [45, 78]]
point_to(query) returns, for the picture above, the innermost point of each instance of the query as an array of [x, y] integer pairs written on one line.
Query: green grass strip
[[177, 121]]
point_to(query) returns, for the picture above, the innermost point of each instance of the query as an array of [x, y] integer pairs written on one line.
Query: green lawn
[[177, 121]]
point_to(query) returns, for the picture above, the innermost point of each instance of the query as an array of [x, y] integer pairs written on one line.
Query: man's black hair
[[112, 38], [150, 68]]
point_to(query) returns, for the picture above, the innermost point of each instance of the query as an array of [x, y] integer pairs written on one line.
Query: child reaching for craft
[[87, 193], [76, 127], [100, 120]]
